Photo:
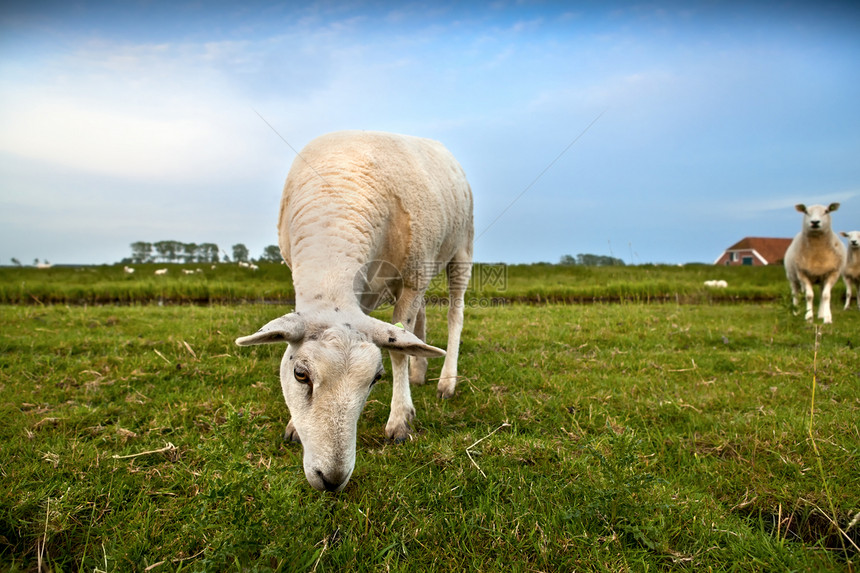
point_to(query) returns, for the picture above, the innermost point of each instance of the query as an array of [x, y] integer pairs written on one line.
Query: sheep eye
[[377, 377], [301, 375]]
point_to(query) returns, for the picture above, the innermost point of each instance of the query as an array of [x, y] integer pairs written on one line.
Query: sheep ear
[[391, 337], [844, 234], [800, 207], [288, 328], [832, 207]]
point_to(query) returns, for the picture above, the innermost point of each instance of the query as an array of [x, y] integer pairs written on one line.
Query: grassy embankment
[[226, 284]]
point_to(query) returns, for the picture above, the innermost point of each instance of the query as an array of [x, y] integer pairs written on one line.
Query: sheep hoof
[[446, 389], [399, 433], [290, 433]]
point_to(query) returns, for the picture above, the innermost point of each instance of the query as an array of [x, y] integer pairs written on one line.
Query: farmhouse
[[754, 251]]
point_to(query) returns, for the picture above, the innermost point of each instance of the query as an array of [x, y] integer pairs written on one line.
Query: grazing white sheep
[[128, 270], [253, 267], [365, 215], [161, 271], [815, 255], [187, 271], [243, 264], [716, 284], [851, 272]]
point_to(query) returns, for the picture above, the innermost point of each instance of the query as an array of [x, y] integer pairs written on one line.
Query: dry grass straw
[[843, 535]]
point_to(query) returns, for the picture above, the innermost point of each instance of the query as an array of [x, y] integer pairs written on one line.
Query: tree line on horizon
[[178, 252], [587, 260]]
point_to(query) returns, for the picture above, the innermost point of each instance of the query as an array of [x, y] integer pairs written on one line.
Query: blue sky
[[693, 124]]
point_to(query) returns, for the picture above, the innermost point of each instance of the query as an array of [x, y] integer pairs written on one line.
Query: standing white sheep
[[851, 272], [161, 271], [365, 216], [815, 255]]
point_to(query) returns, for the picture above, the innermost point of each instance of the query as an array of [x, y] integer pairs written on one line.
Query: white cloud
[[155, 112]]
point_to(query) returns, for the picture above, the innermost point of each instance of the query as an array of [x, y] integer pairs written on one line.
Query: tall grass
[[491, 284], [111, 285]]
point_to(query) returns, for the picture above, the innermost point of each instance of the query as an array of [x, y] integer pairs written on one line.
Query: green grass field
[[588, 437]]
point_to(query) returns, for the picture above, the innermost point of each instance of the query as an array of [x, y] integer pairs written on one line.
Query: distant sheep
[[815, 255], [253, 267], [161, 271], [716, 284], [364, 215], [128, 270], [243, 264], [187, 271], [851, 273]]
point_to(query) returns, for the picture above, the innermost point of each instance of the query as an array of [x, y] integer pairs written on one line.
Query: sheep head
[[853, 239], [816, 218], [327, 372]]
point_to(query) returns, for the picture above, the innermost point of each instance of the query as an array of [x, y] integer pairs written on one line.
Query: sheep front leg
[[402, 413], [398, 428]]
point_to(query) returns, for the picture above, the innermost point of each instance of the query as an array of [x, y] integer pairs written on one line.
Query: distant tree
[[207, 253], [567, 260], [588, 260], [35, 262], [240, 253], [168, 251], [271, 254], [189, 253], [16, 262], [141, 252]]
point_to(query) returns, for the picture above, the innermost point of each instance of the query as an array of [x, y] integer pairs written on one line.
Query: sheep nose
[[814, 224], [333, 481]]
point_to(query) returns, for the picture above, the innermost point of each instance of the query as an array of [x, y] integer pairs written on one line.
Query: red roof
[[772, 250]]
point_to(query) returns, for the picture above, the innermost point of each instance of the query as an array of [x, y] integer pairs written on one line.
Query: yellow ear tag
[[399, 325]]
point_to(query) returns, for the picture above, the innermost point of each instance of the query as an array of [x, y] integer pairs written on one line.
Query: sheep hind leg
[[824, 305], [848, 293], [417, 364], [809, 294], [795, 288], [459, 273]]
